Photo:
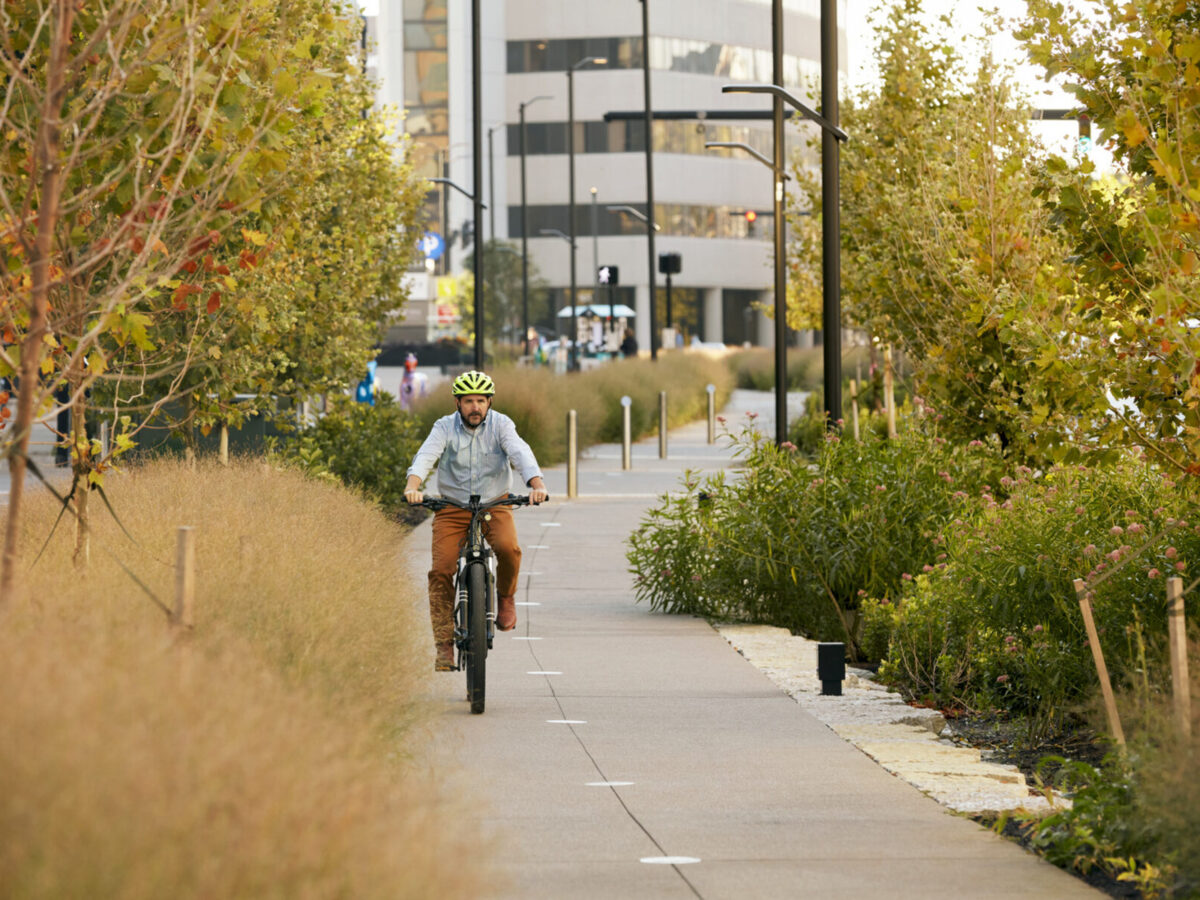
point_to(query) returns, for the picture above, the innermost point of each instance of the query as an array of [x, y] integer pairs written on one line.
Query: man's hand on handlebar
[[537, 491], [412, 491]]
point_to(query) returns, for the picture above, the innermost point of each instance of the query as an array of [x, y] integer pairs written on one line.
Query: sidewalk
[[631, 754]]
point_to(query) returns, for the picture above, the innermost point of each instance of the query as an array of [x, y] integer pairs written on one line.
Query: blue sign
[[432, 245]]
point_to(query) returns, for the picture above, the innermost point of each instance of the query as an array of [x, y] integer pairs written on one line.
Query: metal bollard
[[662, 424], [712, 413], [572, 457], [627, 432]]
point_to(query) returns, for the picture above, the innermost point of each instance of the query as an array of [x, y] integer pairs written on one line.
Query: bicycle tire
[[476, 636]]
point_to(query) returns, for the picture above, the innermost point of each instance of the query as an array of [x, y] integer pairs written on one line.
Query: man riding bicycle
[[475, 450]]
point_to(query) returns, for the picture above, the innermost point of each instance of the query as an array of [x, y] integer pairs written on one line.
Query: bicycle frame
[[475, 594]]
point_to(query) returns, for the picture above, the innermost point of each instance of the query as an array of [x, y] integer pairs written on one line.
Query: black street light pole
[[780, 227], [832, 309], [573, 364], [525, 226], [652, 265], [491, 183], [831, 242], [477, 179]]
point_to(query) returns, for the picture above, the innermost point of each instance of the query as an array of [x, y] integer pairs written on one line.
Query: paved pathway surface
[[631, 754]]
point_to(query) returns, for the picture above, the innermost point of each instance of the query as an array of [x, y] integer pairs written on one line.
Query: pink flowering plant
[[998, 624]]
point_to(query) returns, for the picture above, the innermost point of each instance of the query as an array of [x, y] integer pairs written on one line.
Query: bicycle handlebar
[[436, 503]]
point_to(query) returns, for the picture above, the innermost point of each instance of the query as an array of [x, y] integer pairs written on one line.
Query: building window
[[670, 136], [684, 220], [666, 54]]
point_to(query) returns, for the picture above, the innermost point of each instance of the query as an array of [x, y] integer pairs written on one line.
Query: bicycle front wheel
[[476, 635]]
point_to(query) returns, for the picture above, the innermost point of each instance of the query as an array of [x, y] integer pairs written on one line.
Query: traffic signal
[[608, 276], [669, 263], [751, 218], [468, 233], [1085, 132]]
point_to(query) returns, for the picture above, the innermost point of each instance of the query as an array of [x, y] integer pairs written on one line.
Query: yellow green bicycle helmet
[[473, 383]]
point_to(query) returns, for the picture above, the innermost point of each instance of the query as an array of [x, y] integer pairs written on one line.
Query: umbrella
[[598, 309]]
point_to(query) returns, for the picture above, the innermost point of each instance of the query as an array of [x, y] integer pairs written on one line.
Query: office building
[[421, 56]]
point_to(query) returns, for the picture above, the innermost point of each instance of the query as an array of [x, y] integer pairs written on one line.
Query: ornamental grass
[[279, 750]]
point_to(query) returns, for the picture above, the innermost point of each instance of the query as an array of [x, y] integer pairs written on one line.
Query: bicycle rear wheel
[[477, 635]]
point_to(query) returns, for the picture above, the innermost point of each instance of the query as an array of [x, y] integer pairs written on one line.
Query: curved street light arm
[[806, 111], [554, 232], [636, 213], [533, 100], [461, 190], [738, 145]]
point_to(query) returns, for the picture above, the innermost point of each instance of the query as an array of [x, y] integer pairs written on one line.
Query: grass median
[[279, 751]]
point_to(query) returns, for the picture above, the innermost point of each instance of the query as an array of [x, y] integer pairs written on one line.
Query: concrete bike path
[[631, 754]]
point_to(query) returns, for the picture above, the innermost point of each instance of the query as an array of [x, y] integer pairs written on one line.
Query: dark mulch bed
[[1006, 740]]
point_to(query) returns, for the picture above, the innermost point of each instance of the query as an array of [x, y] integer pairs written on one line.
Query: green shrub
[[1104, 827], [363, 446], [997, 622], [801, 544]]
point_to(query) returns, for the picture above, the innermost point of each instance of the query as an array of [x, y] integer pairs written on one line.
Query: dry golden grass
[[538, 400], [277, 753]]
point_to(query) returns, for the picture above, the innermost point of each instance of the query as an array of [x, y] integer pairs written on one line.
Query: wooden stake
[[1110, 702], [185, 577], [1177, 633], [223, 448], [889, 391], [854, 406]]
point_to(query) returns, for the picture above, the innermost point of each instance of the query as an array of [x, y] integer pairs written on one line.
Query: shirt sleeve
[[431, 451], [517, 451]]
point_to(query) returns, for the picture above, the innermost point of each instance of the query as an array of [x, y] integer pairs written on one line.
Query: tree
[[137, 137], [503, 313], [1128, 356], [944, 246]]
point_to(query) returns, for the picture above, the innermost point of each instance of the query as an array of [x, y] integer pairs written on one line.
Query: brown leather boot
[[445, 657], [506, 615]]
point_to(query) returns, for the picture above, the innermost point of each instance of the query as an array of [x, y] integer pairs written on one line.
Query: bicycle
[[475, 593]]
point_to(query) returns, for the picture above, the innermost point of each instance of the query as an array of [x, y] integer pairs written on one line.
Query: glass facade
[[542, 138], [666, 54], [426, 85], [680, 219]]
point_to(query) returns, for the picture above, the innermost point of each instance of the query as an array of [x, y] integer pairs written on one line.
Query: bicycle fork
[[461, 628]]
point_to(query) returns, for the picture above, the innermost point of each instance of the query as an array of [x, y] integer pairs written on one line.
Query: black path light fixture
[[831, 317], [573, 365], [525, 224]]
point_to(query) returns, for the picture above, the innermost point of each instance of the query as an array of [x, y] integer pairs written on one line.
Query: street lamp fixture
[[587, 60], [524, 222], [804, 110], [738, 145], [554, 232], [462, 190], [635, 212]]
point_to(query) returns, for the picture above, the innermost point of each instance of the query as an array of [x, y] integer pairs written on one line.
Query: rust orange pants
[[449, 533]]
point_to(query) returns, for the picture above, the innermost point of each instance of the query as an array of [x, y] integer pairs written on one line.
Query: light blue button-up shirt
[[476, 460]]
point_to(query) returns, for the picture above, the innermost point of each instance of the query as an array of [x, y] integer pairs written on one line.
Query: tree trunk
[[188, 432], [81, 468], [48, 176]]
